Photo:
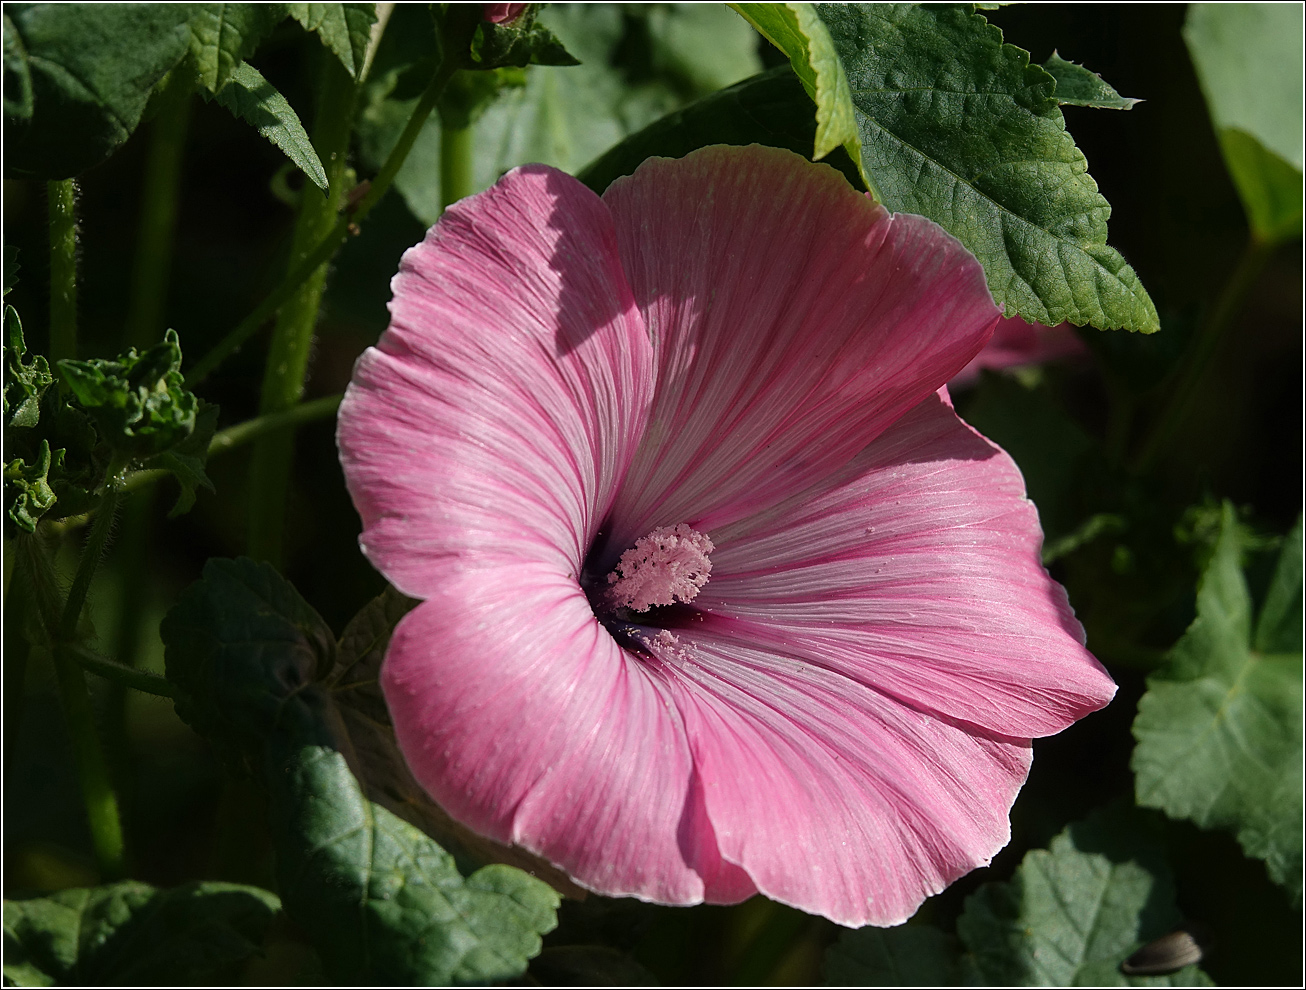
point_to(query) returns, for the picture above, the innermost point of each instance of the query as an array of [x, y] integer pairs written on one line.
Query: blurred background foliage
[[1176, 217]]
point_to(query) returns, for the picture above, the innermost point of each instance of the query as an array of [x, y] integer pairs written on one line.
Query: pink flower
[[719, 596], [1016, 343], [499, 13]]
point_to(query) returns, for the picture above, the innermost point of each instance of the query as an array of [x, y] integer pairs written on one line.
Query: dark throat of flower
[[648, 593]]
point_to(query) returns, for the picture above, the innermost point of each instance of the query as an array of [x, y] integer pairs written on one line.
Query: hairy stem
[[455, 164], [1191, 373], [63, 269], [153, 262], [331, 242], [120, 673], [287, 363]]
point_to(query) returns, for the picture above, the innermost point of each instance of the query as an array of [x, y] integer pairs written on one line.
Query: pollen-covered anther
[[669, 565]]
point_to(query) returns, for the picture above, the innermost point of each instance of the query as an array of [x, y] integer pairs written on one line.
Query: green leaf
[[82, 74], [959, 127], [25, 381], [1075, 911], [796, 30], [382, 901], [770, 108], [1081, 87], [132, 934], [253, 99], [907, 956], [139, 402], [28, 495], [345, 29], [186, 460], [1220, 728], [223, 35], [1249, 62], [562, 116]]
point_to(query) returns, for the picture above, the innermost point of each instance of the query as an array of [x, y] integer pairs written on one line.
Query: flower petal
[[916, 572], [830, 796], [524, 719], [500, 409], [794, 320]]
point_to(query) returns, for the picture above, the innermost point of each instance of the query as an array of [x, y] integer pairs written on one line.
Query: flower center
[[667, 567]]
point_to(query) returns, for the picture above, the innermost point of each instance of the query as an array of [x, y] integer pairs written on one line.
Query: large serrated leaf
[[83, 74], [1075, 911], [223, 35], [345, 29], [796, 30], [382, 901], [132, 934], [1081, 87], [1220, 728], [255, 100], [959, 127]]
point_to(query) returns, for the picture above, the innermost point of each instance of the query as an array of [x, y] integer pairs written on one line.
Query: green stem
[[97, 790], [292, 338], [1191, 373], [242, 433], [120, 673], [456, 180], [95, 542], [63, 269], [35, 569], [329, 244], [149, 289]]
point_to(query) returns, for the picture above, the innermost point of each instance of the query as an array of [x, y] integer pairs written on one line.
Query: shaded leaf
[[959, 127], [1249, 62], [253, 99], [796, 30], [132, 934], [906, 956], [1081, 87], [139, 402], [91, 68], [770, 108], [1220, 728], [186, 460], [1075, 911], [382, 901], [223, 35], [25, 381], [28, 495], [345, 29]]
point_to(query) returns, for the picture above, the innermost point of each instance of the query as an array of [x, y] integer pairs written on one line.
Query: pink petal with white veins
[[832, 797], [914, 571], [501, 408], [794, 320], [524, 719]]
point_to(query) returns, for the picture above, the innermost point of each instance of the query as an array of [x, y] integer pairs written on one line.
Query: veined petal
[[830, 796], [793, 319], [916, 572], [501, 408], [526, 721]]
